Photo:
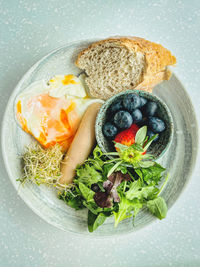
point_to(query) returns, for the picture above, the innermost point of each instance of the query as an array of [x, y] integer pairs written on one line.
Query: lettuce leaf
[[86, 192], [141, 192], [72, 198], [151, 175], [88, 175], [94, 221], [124, 211], [92, 206], [158, 207], [127, 208]]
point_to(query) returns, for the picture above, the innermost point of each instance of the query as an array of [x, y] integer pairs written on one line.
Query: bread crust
[[156, 57]]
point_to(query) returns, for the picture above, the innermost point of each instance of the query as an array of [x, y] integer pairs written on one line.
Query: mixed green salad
[[119, 186]]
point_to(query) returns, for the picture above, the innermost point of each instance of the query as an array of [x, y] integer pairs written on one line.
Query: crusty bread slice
[[121, 63]]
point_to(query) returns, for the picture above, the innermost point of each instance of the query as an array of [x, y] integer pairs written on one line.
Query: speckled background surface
[[31, 29]]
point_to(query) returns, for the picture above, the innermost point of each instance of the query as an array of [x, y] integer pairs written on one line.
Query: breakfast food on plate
[[42, 166], [112, 188], [127, 114], [66, 85], [120, 63], [61, 116], [52, 111], [81, 145], [127, 137]]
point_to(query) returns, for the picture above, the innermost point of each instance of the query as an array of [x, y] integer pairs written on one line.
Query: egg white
[[58, 89]]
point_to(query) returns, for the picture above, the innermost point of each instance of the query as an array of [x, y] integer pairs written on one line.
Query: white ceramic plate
[[179, 159]]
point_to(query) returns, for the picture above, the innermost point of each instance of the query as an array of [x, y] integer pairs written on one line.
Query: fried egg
[[52, 111]]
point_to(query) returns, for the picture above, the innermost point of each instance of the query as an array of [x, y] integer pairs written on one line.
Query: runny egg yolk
[[50, 120], [22, 120], [69, 79]]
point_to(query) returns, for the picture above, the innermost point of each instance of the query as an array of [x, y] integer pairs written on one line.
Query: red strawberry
[[127, 137]]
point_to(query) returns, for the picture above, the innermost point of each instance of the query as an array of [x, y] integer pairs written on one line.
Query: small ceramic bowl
[[157, 148]]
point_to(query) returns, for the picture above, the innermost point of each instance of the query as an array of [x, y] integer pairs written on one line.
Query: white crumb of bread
[[111, 69]]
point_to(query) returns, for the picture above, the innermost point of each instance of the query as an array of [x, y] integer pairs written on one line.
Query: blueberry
[[116, 106], [131, 102], [150, 108], [136, 115], [156, 124], [109, 130], [143, 101], [123, 119], [151, 134]]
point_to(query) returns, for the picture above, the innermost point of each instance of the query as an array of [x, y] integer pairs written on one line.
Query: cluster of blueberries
[[132, 109]]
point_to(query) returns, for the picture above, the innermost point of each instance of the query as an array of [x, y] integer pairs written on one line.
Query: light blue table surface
[[31, 29]]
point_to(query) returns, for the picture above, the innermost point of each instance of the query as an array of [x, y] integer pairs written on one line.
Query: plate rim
[[28, 203]]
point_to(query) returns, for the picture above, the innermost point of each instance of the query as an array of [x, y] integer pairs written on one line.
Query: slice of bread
[[120, 63]]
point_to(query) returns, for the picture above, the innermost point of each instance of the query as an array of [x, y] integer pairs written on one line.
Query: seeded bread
[[120, 63]]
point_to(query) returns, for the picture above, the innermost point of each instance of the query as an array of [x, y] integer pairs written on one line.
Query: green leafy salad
[[119, 186]]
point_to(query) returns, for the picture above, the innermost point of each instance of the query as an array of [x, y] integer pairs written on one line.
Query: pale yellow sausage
[[82, 144]]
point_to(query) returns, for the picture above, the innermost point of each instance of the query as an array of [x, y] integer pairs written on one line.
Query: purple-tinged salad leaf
[[118, 179], [103, 200], [107, 185], [114, 180]]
